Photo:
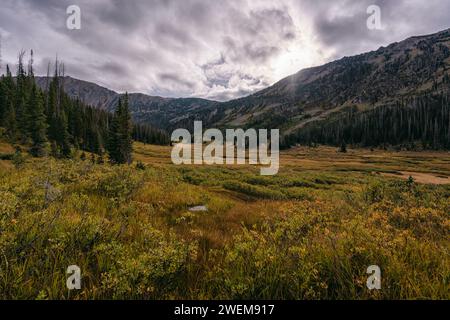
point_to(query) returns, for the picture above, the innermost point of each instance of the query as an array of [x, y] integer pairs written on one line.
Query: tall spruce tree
[[3, 102], [120, 142], [21, 97], [126, 130], [63, 140], [37, 124], [9, 116], [113, 136]]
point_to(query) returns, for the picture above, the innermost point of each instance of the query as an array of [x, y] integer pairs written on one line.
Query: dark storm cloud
[[212, 49], [171, 77], [341, 24], [339, 28], [112, 68]]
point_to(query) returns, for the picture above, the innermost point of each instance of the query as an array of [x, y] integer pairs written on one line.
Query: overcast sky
[[205, 48]]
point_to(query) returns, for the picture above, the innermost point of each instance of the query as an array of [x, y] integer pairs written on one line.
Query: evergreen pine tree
[[120, 142], [37, 125], [2, 100], [125, 133], [9, 115], [113, 137], [21, 97], [10, 122], [63, 135]]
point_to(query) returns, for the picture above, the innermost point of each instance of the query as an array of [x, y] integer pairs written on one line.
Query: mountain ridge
[[365, 81], [154, 110]]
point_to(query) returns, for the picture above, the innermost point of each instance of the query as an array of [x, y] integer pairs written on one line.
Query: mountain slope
[[411, 68], [88, 92], [156, 111]]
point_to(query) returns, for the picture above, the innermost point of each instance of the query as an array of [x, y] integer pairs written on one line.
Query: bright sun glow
[[299, 55]]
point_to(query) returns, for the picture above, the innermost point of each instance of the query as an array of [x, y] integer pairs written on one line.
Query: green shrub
[[157, 271], [140, 165], [254, 191], [120, 183], [6, 156], [18, 159]]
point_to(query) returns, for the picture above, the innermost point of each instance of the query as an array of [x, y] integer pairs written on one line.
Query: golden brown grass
[[309, 232]]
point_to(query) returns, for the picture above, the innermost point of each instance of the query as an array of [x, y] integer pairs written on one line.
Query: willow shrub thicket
[[302, 236]]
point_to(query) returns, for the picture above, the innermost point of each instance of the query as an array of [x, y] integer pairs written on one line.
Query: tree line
[[50, 122], [422, 121]]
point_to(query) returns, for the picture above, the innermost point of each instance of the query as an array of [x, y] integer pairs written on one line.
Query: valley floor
[[309, 232]]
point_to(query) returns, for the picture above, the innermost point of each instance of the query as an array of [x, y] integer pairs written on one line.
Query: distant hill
[[412, 68], [157, 111], [409, 68]]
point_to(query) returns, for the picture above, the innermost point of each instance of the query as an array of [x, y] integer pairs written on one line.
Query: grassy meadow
[[309, 232]]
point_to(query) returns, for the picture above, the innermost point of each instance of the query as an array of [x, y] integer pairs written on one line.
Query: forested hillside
[[49, 121], [420, 122], [159, 112], [397, 95]]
